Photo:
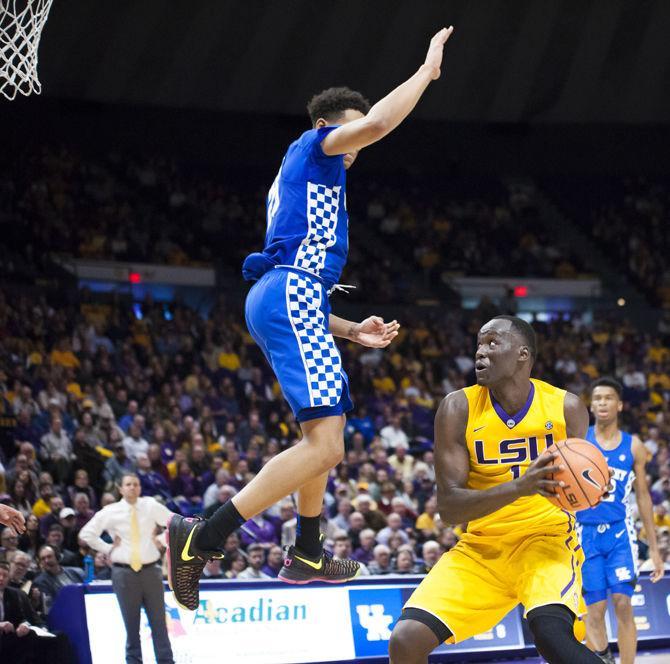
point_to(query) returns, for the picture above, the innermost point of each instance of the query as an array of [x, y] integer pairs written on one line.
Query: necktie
[[135, 558]]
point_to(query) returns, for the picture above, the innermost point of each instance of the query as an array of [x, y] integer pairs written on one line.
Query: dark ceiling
[[508, 60]]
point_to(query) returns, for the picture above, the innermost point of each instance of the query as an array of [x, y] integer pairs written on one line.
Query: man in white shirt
[[393, 436], [256, 555], [136, 573], [134, 443]]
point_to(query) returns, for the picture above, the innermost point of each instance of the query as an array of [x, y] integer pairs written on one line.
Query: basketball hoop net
[[21, 23]]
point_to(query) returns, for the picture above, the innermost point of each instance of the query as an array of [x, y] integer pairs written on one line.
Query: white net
[[21, 23]]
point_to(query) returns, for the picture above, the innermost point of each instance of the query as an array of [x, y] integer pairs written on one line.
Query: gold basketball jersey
[[502, 446]]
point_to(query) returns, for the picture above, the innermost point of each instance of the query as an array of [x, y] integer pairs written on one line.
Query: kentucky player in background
[[288, 315], [607, 531]]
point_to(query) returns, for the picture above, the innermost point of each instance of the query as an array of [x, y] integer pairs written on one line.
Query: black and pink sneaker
[[300, 569]]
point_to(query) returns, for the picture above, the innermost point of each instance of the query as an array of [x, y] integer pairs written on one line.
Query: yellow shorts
[[473, 586]]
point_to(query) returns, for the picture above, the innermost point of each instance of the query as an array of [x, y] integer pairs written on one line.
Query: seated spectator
[[258, 530], [341, 520], [42, 505], [431, 552], [381, 561], [235, 563], [134, 443], [256, 558], [56, 504], [116, 466], [152, 482], [373, 517], [82, 510], [225, 493], [274, 562], [425, 523], [70, 530], [392, 435], [20, 499], [102, 570], [405, 562], [9, 543], [54, 577], [16, 639], [212, 491], [56, 451], [394, 527], [20, 574], [364, 552], [402, 463], [186, 490], [31, 540], [81, 485], [342, 550], [356, 526], [56, 540]]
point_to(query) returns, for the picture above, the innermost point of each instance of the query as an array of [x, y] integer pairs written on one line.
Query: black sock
[[308, 534], [602, 653], [215, 531]]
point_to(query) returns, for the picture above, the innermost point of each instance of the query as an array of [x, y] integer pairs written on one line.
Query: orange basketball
[[586, 474]]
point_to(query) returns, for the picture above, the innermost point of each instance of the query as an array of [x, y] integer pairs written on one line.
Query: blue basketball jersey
[[307, 222], [616, 506]]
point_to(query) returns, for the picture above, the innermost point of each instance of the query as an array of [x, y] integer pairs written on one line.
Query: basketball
[[586, 474]]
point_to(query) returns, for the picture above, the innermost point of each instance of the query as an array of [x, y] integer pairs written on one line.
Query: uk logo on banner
[[373, 614]]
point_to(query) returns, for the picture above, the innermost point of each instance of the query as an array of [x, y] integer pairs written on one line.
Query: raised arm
[[644, 506], [390, 111], [455, 502]]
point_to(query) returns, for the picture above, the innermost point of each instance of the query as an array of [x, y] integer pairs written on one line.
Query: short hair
[[254, 547], [128, 473], [330, 104], [526, 331], [4, 565], [608, 381]]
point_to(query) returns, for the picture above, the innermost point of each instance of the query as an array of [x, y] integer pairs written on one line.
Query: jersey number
[[516, 471], [610, 498]]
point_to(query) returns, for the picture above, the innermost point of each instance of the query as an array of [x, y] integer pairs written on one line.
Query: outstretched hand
[[434, 55], [373, 332], [12, 518]]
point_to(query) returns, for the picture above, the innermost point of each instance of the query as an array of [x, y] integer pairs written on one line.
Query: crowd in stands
[[89, 391], [61, 202], [632, 227]]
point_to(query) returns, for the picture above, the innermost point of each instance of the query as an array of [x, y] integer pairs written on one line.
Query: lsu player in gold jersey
[[492, 472]]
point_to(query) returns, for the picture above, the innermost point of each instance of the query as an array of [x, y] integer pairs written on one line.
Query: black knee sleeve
[[553, 630], [441, 631]]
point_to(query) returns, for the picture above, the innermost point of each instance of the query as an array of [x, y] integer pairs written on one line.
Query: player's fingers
[[546, 458]]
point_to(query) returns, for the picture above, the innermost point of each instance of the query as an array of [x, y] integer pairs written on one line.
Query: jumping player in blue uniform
[[288, 314], [607, 531]]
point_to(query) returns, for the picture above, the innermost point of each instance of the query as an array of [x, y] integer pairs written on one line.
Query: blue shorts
[[611, 559], [287, 315]]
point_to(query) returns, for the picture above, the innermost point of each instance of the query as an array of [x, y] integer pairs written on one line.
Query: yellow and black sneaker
[[185, 561], [299, 568]]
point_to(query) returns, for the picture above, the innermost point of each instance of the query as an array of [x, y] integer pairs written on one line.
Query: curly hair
[[330, 104]]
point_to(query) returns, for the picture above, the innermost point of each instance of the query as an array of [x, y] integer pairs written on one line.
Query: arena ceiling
[[508, 61]]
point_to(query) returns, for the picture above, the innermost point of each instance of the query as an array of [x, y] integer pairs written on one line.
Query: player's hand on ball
[[434, 55], [535, 480], [373, 332]]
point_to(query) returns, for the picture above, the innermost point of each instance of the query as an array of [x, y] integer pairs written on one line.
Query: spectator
[[117, 465], [9, 543], [213, 569], [381, 561], [256, 557], [56, 451], [54, 577], [55, 506], [364, 553], [82, 510], [431, 552], [81, 485], [102, 570], [405, 562], [393, 436], [32, 539], [275, 561], [153, 483], [258, 530], [394, 527], [402, 463], [56, 540], [134, 443]]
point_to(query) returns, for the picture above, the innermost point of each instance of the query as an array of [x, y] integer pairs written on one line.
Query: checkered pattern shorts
[[287, 314], [317, 346], [322, 206]]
